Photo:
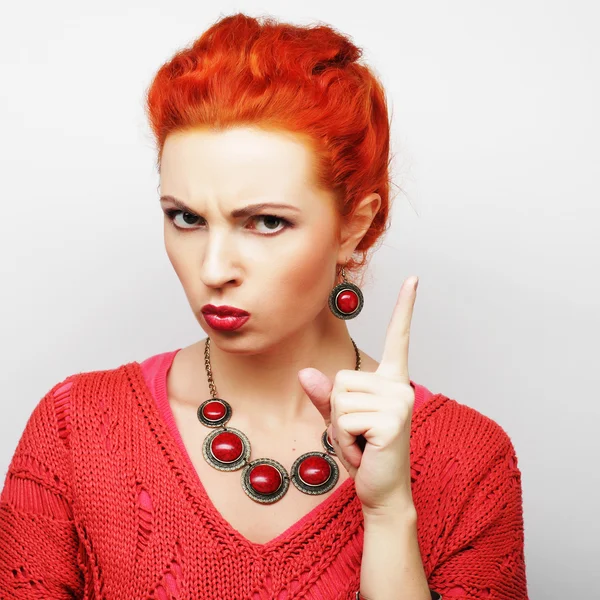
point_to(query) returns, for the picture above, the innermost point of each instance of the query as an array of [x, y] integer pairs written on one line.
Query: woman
[[272, 458]]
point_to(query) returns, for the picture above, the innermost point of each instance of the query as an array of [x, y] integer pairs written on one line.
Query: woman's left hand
[[377, 406]]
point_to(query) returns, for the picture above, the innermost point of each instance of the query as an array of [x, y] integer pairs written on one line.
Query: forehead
[[235, 163]]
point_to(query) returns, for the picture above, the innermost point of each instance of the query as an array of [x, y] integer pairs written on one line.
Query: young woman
[[272, 459]]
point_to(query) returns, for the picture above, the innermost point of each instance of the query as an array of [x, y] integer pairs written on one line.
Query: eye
[[172, 213], [271, 223]]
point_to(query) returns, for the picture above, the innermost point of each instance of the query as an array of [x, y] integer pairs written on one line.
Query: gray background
[[496, 136]]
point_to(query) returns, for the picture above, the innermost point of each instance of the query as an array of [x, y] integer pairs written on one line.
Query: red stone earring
[[346, 299]]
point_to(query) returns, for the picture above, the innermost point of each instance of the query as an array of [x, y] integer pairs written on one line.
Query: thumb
[[318, 388]]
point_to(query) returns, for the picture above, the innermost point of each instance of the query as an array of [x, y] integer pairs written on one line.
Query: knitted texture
[[101, 501]]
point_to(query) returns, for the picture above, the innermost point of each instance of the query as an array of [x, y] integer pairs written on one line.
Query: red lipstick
[[224, 318]]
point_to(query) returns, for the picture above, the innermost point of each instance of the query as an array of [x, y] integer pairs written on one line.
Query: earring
[[346, 299]]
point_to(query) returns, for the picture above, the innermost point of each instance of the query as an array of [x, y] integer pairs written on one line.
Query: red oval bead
[[265, 479], [314, 470], [347, 301], [227, 447], [214, 410]]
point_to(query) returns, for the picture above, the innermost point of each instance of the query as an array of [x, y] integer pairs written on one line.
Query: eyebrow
[[246, 211]]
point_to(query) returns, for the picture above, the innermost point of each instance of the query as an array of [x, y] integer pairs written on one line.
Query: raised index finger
[[394, 361]]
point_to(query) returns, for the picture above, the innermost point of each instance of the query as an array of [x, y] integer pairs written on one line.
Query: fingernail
[[416, 284]]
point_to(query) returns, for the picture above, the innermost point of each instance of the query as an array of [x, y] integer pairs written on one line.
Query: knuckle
[[343, 377], [345, 420], [342, 400]]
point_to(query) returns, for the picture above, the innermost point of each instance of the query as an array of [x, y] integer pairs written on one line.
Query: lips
[[224, 318], [224, 311]]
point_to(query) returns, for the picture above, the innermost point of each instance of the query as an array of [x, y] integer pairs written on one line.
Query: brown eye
[[272, 224], [188, 218]]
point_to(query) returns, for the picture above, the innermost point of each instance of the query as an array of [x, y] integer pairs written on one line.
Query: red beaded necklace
[[264, 480]]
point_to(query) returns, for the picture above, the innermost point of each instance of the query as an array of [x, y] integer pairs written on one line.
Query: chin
[[242, 341], [236, 342]]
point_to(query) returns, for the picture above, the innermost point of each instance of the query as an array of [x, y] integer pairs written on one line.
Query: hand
[[377, 406]]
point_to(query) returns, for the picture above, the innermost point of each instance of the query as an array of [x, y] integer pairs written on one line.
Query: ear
[[353, 228]]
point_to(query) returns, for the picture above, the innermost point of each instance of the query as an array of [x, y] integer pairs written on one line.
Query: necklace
[[265, 480]]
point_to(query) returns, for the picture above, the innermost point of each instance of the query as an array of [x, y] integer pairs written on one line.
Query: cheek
[[175, 257], [305, 274], [181, 261]]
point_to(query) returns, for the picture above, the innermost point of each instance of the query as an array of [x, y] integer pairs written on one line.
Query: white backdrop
[[496, 133]]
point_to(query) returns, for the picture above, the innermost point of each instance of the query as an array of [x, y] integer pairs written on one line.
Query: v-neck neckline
[[158, 398]]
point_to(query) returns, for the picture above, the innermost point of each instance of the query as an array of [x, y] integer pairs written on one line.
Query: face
[[276, 263]]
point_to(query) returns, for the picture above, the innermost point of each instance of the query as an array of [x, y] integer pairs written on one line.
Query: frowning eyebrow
[[246, 211]]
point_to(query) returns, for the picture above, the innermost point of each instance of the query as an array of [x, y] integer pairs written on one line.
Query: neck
[[263, 386]]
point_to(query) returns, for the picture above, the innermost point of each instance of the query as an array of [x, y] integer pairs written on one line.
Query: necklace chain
[[211, 381]]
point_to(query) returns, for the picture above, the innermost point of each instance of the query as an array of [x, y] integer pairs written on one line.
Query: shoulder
[[482, 430], [91, 381], [464, 471], [463, 422], [460, 438], [87, 392], [111, 389], [98, 380]]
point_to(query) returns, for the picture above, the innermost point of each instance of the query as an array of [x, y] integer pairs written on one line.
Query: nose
[[219, 263]]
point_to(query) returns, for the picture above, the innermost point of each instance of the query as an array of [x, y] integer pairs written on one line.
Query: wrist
[[384, 516]]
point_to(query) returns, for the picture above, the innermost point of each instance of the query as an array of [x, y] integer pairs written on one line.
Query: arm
[[485, 556], [38, 540], [391, 558]]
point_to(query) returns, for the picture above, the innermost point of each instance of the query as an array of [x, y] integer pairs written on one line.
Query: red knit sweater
[[101, 501]]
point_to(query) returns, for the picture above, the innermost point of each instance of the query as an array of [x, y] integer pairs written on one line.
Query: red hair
[[245, 71]]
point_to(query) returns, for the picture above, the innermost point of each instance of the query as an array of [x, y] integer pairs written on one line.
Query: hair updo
[[246, 71]]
